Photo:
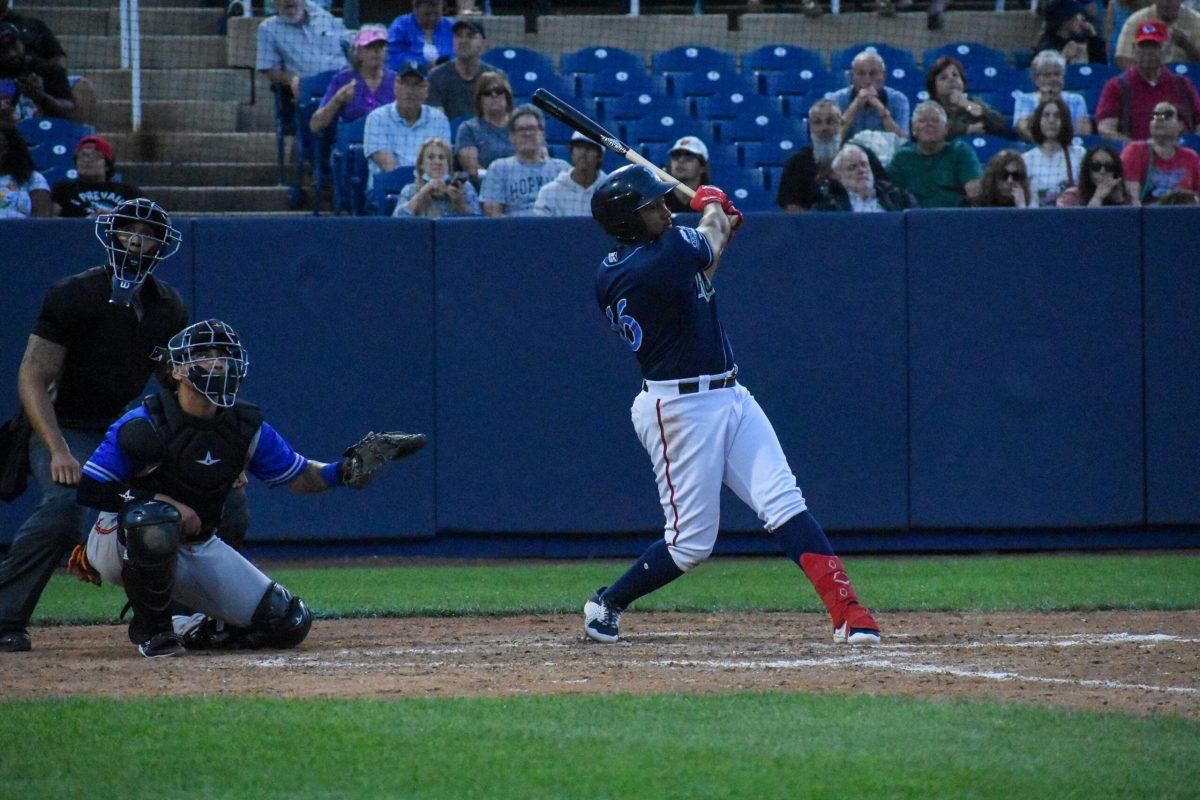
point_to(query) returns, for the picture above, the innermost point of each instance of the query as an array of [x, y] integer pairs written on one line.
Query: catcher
[[160, 479]]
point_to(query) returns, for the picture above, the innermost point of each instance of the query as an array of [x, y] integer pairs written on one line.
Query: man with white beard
[[303, 39], [807, 169], [854, 188]]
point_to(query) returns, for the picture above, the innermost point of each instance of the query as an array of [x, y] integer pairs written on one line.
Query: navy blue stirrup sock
[[802, 534], [653, 569]]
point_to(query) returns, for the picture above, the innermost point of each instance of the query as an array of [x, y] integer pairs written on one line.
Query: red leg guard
[[829, 578]]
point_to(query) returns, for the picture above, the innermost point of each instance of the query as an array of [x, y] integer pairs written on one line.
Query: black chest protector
[[201, 458]]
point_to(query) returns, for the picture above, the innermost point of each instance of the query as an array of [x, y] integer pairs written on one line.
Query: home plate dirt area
[[1145, 662]]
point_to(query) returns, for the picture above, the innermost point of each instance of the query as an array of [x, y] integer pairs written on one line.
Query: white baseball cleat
[[599, 620], [848, 635]]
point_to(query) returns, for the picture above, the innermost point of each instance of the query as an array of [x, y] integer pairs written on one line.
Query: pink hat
[[368, 36]]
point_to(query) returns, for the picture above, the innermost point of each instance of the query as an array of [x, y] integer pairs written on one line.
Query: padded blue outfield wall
[[946, 379]]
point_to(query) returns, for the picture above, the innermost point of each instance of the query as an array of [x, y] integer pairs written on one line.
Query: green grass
[[1004, 583], [666, 746]]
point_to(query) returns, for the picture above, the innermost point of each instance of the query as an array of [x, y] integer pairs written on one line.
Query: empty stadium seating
[[692, 59], [52, 145]]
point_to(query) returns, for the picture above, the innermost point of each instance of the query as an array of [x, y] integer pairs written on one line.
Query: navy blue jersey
[[272, 459], [658, 300]]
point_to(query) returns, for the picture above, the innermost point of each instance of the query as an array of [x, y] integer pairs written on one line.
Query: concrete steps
[[241, 148], [201, 173], [214, 85], [201, 116], [87, 53], [94, 21], [185, 200]]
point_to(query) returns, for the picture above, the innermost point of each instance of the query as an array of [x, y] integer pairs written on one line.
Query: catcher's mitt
[[364, 458], [78, 566]]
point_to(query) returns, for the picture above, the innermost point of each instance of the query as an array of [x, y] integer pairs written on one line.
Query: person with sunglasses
[[484, 137], [1005, 182], [1157, 165], [1101, 181]]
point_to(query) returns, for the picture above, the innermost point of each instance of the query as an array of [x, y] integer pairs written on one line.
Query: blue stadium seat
[[727, 105], [602, 59], [686, 58], [661, 126], [1022, 58], [525, 83], [992, 78], [748, 190], [1190, 140], [616, 83], [799, 90], [905, 79], [893, 57], [1188, 69], [636, 106], [349, 168], [1085, 77], [987, 146], [759, 128], [707, 83], [780, 58], [771, 153], [311, 148], [969, 53], [52, 145], [386, 188], [559, 132], [515, 60]]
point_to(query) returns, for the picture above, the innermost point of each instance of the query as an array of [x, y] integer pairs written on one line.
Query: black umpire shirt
[[108, 346]]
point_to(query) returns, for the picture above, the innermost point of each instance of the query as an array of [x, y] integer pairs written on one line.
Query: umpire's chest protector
[[201, 458]]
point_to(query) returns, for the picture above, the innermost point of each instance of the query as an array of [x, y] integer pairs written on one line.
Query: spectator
[[1005, 182], [360, 88], [301, 40], [1071, 33], [93, 192], [939, 174], [394, 133], [1054, 164], [854, 187], [866, 103], [1118, 12], [688, 164], [452, 85], [946, 83], [1183, 33], [40, 42], [1179, 197], [1101, 181], [570, 194], [810, 166], [1155, 167], [1123, 112], [484, 137], [23, 190], [434, 192], [29, 86], [1049, 70], [511, 185], [424, 35]]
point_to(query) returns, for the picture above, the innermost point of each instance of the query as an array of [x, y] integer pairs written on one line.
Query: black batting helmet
[[616, 203]]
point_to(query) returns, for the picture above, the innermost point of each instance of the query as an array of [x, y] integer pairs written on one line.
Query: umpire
[[87, 357]]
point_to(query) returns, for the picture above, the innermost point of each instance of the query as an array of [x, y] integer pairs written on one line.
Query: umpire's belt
[[725, 381]]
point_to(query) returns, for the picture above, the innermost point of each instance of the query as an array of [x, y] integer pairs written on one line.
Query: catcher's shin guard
[[829, 578], [151, 532], [281, 620]]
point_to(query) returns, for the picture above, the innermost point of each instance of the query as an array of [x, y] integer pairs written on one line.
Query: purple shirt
[[364, 101]]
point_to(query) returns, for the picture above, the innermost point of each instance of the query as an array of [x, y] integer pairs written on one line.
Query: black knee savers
[[281, 620]]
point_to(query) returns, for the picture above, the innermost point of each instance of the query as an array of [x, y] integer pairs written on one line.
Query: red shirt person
[[1155, 167], [1128, 99]]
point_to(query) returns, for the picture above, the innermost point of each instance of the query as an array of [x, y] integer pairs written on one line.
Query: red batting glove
[[736, 217], [706, 195]]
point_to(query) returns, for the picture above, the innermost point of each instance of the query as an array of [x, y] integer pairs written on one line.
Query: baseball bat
[[576, 120]]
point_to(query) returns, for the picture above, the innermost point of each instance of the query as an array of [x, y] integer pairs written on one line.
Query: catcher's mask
[[132, 265], [616, 203], [213, 359]]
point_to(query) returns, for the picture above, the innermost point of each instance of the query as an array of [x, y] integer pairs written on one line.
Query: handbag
[[14, 456]]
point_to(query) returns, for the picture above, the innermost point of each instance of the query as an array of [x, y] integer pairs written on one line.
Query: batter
[[700, 426]]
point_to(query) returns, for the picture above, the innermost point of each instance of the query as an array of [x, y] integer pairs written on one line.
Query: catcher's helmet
[[214, 359], [616, 203], [130, 268]]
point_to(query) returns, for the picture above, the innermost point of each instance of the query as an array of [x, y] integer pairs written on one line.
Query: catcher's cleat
[[15, 642], [599, 619], [162, 645]]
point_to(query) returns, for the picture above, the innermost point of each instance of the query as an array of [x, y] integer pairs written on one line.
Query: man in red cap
[[94, 191], [1127, 100], [1183, 32]]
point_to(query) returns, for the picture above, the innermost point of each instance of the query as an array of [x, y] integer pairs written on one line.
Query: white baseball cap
[[690, 144], [576, 136]]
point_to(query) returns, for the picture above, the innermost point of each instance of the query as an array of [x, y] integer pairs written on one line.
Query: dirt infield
[[1137, 662]]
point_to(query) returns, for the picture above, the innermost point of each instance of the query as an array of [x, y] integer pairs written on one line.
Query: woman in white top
[[24, 192], [1054, 164]]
